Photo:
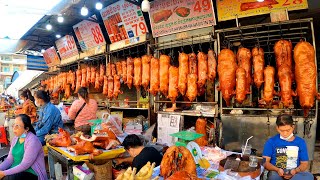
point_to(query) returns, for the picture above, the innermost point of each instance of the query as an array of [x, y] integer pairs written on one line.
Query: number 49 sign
[[89, 34]]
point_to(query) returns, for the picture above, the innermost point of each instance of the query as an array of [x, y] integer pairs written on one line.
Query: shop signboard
[[173, 16], [89, 35], [230, 9], [67, 47], [51, 57], [168, 124], [123, 20]]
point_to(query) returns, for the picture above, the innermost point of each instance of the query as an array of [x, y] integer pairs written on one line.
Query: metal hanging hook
[[281, 33], [258, 42], [191, 44], [200, 48]]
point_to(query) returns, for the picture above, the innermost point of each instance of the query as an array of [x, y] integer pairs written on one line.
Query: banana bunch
[[145, 173]]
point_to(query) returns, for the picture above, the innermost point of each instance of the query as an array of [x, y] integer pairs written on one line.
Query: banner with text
[[67, 47], [173, 16], [123, 20], [89, 34], [230, 9], [51, 57]]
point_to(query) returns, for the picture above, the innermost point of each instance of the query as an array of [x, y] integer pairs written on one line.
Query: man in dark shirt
[[141, 155]]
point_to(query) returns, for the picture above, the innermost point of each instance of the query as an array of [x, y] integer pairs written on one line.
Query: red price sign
[[67, 47], [89, 34], [202, 5], [290, 2], [141, 26]]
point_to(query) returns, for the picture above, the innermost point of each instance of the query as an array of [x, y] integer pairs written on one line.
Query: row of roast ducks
[[189, 79]]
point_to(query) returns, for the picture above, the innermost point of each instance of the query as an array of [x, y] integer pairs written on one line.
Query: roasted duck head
[[61, 140]]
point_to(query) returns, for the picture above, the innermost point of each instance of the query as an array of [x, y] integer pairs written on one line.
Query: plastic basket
[[94, 123]]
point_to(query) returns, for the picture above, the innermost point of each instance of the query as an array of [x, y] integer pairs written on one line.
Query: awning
[[24, 78]]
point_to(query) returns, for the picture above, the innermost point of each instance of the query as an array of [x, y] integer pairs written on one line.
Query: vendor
[[275, 149], [49, 116], [83, 110], [26, 158], [140, 155], [28, 107]]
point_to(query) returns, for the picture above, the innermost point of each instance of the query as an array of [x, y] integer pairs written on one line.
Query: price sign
[[89, 34], [123, 20], [173, 16], [51, 57], [67, 47], [230, 9]]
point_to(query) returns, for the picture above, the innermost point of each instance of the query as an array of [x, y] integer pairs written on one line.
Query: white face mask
[[21, 101], [287, 139], [37, 104]]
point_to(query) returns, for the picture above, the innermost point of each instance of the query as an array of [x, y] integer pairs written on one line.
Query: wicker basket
[[102, 169]]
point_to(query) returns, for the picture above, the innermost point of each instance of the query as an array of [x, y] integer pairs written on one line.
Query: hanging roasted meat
[[93, 75], [129, 72], [88, 76], [146, 71], [227, 67], [286, 92], [101, 73], [108, 70], [116, 84], [244, 61], [97, 83], [202, 69], [268, 91], [258, 66], [124, 71], [113, 69], [71, 79], [183, 72], [84, 77], [306, 75], [192, 89], [79, 78], [110, 87], [137, 78], [241, 82], [119, 68], [105, 86], [67, 91], [154, 78], [173, 83], [212, 65], [283, 52], [193, 64], [164, 74]]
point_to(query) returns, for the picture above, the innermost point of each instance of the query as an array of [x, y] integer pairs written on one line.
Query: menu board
[[51, 57], [89, 34], [173, 16], [230, 9], [123, 20], [67, 47]]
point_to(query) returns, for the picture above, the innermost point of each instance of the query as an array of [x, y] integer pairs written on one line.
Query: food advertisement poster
[[230, 9], [173, 16], [51, 57], [89, 34], [123, 20], [67, 47]]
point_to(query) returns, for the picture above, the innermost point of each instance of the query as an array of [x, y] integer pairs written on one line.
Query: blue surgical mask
[[24, 135]]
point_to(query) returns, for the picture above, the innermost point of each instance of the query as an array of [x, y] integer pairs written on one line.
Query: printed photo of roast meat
[[182, 11], [161, 15], [255, 5]]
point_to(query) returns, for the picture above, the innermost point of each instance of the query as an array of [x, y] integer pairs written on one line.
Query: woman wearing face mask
[[83, 110], [276, 156], [27, 106], [26, 158], [49, 116]]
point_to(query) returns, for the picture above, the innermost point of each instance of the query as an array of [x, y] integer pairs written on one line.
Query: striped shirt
[[87, 113]]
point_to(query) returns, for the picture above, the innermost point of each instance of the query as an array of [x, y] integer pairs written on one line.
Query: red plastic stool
[[3, 136]]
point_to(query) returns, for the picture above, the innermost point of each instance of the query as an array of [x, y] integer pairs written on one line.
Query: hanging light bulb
[[84, 11], [49, 26], [60, 18], [99, 5], [58, 36], [260, 0], [145, 6]]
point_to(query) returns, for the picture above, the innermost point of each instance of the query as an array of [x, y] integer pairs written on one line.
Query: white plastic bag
[[64, 115]]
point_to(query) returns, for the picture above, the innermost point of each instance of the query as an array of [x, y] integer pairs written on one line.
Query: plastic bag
[[115, 124], [64, 115]]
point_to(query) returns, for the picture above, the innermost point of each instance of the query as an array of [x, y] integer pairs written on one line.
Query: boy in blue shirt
[[286, 155]]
